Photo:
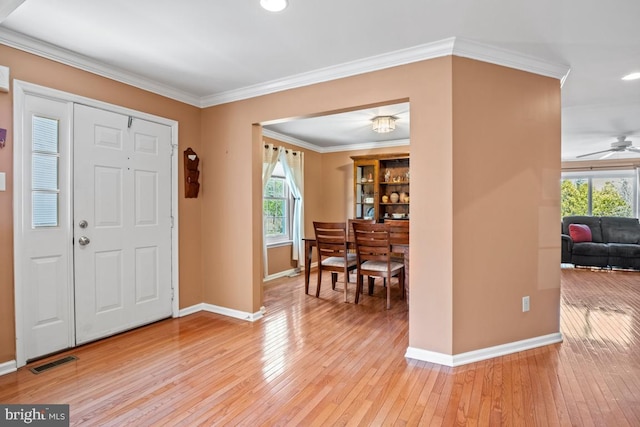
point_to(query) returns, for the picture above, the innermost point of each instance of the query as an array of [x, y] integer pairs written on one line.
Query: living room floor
[[319, 361]]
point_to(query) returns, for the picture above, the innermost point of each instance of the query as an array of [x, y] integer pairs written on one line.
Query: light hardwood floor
[[323, 362]]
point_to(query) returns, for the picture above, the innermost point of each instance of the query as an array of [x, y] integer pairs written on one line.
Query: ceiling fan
[[622, 144]]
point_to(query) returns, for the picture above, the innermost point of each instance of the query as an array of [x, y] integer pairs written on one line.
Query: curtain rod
[[295, 153]]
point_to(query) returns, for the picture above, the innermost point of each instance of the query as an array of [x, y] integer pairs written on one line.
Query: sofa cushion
[[590, 254], [622, 250], [579, 233], [591, 249], [624, 255], [620, 230], [592, 221]]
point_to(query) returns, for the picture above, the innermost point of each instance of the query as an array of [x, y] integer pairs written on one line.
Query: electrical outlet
[[525, 304]]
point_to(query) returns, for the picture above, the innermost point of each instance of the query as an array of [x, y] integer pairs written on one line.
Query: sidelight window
[[45, 161]]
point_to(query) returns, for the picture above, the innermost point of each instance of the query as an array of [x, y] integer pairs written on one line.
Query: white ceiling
[[350, 129], [210, 51]]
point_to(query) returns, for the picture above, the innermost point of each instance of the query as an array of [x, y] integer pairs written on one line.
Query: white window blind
[[45, 158]]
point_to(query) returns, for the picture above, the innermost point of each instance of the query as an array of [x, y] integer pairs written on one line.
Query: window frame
[[605, 174], [286, 238]]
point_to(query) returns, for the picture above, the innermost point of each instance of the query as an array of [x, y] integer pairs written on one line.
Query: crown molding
[[333, 149], [367, 146], [450, 46], [482, 52], [67, 57], [347, 69], [291, 140]]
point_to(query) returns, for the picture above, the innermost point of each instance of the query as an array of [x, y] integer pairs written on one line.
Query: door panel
[[43, 236], [146, 194], [147, 285], [108, 286], [122, 189], [108, 196]]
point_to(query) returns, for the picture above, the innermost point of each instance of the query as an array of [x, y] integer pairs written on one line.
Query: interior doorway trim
[[20, 90]]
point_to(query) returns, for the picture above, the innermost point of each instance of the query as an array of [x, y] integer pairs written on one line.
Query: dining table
[[398, 245]]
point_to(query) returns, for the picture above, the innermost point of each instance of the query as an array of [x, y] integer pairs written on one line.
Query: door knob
[[84, 241], [83, 224]]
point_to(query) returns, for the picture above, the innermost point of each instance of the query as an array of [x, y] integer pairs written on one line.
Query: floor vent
[[51, 365]]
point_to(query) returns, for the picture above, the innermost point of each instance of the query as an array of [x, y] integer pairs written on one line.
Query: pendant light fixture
[[384, 124]]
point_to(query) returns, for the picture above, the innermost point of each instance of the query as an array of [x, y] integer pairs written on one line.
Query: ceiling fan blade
[[608, 154], [634, 149], [596, 152]]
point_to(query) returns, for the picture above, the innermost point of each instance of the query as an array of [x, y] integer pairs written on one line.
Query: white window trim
[[632, 173], [288, 239]]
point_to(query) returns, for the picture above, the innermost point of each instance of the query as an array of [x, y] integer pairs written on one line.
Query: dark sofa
[[615, 242]]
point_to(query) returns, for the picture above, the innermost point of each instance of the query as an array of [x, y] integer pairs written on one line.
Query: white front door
[[122, 222], [74, 163]]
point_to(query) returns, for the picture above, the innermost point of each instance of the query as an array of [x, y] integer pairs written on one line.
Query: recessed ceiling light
[[274, 5], [632, 76]]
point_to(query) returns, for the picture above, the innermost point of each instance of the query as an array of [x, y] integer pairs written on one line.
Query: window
[[45, 156], [602, 193], [277, 208]]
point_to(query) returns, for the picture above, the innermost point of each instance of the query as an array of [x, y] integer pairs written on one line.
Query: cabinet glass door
[[394, 189], [366, 175]]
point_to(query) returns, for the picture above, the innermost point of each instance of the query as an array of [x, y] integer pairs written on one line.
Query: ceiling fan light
[[632, 76], [384, 124], [274, 5]]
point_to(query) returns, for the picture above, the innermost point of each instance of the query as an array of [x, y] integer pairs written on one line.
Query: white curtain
[[270, 157], [293, 164]]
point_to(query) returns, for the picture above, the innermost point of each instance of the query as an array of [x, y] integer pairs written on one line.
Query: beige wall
[[505, 211], [469, 120], [467, 279], [43, 72], [279, 259]]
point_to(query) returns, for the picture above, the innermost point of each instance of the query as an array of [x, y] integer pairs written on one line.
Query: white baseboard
[[237, 314], [482, 354], [190, 310], [8, 367], [291, 272]]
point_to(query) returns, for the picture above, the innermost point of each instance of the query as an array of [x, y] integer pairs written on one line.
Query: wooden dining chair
[[398, 230], [333, 256], [351, 239], [352, 221], [398, 233], [373, 251]]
